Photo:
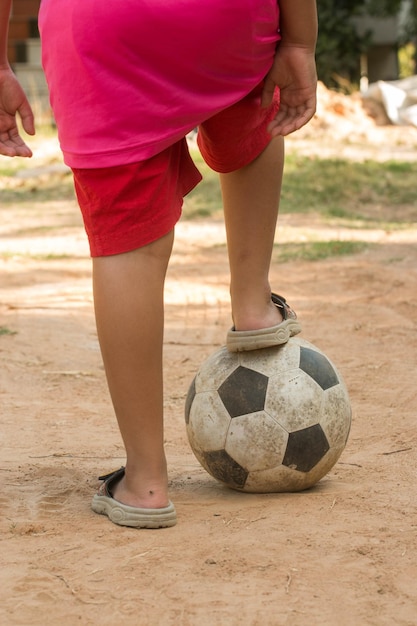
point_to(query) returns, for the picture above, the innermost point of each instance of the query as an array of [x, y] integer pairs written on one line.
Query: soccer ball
[[269, 420]]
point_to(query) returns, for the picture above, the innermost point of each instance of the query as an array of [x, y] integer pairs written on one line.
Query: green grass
[[55, 187], [338, 188], [205, 200], [348, 194], [362, 194], [6, 331], [316, 250], [6, 170], [368, 193]]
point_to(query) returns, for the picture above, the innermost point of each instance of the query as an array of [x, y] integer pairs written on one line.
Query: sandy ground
[[342, 553]]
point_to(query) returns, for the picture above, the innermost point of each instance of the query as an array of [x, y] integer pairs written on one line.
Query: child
[[127, 82]]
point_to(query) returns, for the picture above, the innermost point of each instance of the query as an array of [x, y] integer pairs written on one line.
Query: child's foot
[[151, 510], [277, 334]]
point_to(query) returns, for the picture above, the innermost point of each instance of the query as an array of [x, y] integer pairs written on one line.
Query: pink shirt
[[128, 78]]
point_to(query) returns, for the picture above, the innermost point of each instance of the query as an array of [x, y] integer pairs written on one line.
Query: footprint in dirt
[[42, 494]]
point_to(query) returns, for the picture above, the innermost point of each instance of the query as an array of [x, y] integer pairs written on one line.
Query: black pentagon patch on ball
[[189, 400], [318, 368], [305, 448], [225, 469], [244, 391]]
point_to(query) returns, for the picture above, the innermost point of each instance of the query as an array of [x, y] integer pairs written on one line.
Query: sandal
[[243, 340], [125, 515]]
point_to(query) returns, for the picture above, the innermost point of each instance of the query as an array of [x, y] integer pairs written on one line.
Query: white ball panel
[[209, 422], [270, 360], [215, 370], [256, 441], [336, 416], [277, 479], [294, 400]]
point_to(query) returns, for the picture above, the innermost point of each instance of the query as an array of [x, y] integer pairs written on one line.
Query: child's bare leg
[[251, 200], [128, 296]]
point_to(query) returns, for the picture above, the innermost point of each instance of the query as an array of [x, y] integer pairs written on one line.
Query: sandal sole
[[125, 515], [245, 340]]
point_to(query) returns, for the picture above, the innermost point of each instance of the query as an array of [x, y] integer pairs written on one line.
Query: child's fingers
[[27, 117], [290, 119], [12, 145]]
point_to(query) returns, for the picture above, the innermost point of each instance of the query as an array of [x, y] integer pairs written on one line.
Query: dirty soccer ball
[[268, 420]]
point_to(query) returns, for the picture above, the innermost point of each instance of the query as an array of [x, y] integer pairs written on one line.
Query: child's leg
[[251, 200], [128, 296]]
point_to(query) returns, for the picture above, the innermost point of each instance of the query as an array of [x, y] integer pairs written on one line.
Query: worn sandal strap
[[282, 304], [120, 471], [109, 480]]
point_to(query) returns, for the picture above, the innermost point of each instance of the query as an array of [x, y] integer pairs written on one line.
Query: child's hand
[[294, 72], [13, 101]]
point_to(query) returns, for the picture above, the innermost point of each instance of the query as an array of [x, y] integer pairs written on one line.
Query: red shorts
[[129, 206]]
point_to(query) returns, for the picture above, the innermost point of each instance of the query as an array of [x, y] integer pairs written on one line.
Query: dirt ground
[[342, 553]]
